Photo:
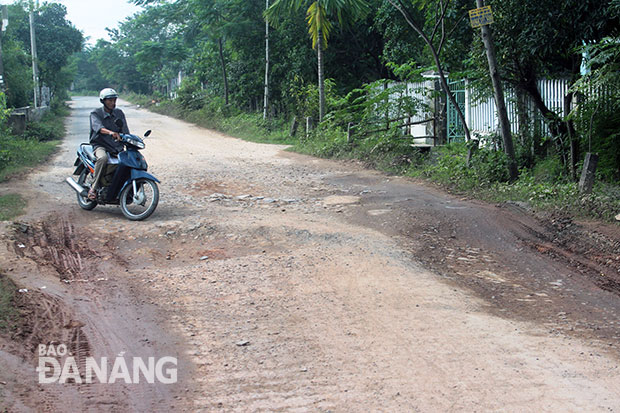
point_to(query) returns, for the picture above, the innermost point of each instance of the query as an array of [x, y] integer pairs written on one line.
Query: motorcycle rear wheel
[[85, 180], [146, 202]]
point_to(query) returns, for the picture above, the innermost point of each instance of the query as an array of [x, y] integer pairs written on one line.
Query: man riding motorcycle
[[104, 134]]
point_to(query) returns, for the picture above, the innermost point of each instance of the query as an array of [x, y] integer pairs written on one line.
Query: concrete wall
[[21, 116], [32, 114]]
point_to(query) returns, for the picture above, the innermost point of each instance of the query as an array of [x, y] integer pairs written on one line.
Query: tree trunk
[[557, 127], [502, 113], [223, 70], [572, 135], [266, 97], [319, 53], [523, 116], [435, 54]]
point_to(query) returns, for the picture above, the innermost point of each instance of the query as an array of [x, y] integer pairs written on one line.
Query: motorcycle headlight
[[134, 142]]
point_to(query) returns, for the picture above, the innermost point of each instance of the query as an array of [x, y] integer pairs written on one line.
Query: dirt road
[[286, 283]]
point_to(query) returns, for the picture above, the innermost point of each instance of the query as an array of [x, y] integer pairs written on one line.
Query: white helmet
[[107, 93]]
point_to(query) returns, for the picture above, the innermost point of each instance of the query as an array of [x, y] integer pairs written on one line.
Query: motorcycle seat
[[90, 153]]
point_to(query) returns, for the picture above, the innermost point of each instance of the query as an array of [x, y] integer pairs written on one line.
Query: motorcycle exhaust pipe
[[77, 187]]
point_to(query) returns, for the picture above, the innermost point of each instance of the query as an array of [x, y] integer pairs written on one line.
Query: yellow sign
[[481, 17]]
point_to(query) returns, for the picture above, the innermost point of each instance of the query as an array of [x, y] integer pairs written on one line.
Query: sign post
[[482, 17]]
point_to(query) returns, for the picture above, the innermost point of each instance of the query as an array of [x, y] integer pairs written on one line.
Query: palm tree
[[318, 15]]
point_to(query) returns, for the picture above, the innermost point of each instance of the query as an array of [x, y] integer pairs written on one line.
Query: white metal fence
[[481, 114]]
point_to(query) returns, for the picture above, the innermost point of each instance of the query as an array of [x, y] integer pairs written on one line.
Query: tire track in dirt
[[56, 244], [84, 307]]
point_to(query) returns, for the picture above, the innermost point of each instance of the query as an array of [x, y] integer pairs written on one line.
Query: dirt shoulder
[[283, 282]]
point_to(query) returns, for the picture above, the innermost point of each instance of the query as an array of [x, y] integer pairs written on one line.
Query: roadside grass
[[544, 187], [387, 152], [11, 205], [8, 313], [19, 154], [39, 141]]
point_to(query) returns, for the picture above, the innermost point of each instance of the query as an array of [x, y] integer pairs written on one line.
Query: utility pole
[[3, 23], [502, 113], [266, 100], [35, 66]]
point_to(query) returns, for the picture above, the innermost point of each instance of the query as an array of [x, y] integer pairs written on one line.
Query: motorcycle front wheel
[[85, 180], [141, 205]]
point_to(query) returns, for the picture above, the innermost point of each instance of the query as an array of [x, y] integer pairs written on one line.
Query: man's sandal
[[92, 195]]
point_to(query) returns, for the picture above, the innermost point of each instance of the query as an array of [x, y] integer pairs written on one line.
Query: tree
[[58, 40], [598, 112], [88, 76], [17, 73], [541, 38], [437, 34], [318, 15], [211, 23], [500, 103]]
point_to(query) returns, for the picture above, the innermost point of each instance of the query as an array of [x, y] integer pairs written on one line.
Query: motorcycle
[[125, 181]]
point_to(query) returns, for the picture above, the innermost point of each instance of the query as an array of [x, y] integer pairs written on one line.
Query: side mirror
[[147, 133]]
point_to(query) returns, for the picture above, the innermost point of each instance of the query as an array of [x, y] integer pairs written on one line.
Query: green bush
[[549, 170], [43, 131], [447, 166], [190, 95], [34, 146], [489, 166]]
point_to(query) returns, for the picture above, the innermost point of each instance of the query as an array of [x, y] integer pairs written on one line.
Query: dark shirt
[[99, 118]]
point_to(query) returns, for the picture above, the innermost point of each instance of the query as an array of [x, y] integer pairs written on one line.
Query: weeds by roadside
[[543, 187], [37, 143], [11, 205]]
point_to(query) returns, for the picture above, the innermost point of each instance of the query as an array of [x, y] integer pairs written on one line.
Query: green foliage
[[88, 76], [18, 73], [450, 34], [603, 203], [48, 129], [190, 95], [19, 153], [320, 15], [38, 142], [304, 97], [58, 40], [375, 104], [447, 166], [597, 118], [388, 151], [4, 110]]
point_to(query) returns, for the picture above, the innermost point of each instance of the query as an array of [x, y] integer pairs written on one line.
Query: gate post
[[587, 174]]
